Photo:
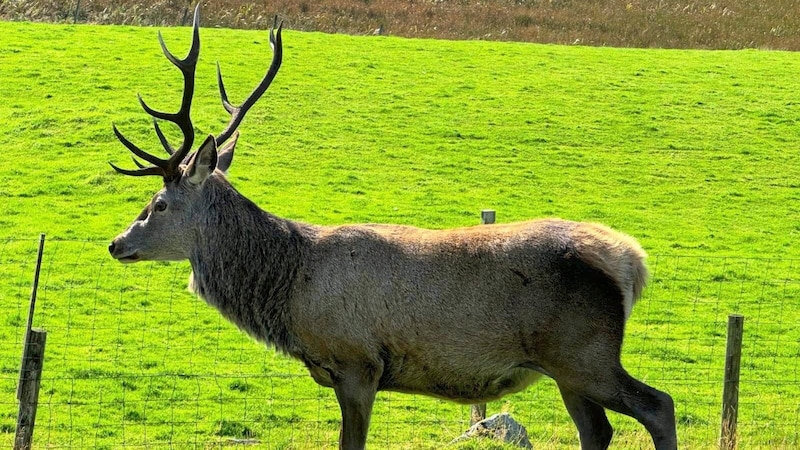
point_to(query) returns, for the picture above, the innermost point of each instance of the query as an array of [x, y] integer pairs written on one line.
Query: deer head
[[163, 230]]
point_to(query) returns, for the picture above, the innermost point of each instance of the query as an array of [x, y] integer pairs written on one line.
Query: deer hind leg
[[590, 418], [652, 408], [584, 357], [616, 390], [588, 366]]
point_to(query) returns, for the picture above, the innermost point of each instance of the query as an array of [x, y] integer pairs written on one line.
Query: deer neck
[[245, 263]]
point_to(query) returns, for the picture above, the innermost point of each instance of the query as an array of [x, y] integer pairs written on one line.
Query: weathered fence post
[[31, 371], [487, 216], [478, 412], [730, 393], [28, 391]]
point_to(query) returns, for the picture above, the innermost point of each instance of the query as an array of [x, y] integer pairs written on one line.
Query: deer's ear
[[203, 162], [225, 153]]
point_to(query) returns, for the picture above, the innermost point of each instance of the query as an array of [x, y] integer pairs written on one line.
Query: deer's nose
[[111, 247]]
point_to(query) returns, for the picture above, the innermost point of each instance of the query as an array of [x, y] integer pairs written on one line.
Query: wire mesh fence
[[134, 360]]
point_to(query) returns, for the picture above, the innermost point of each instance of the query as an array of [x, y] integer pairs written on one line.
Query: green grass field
[[693, 152]]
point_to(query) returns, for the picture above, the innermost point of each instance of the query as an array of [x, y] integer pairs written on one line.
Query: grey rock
[[501, 427]]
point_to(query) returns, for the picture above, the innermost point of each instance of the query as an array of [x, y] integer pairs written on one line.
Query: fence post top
[[487, 216]]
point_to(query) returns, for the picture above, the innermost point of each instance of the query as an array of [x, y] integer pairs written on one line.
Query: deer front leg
[[356, 395]]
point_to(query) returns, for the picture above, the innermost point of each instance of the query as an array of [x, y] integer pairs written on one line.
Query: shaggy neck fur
[[245, 263]]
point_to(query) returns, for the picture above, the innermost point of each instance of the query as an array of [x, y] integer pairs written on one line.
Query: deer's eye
[[160, 205]]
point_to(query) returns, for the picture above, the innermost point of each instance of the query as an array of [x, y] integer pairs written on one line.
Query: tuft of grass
[[234, 429], [239, 385]]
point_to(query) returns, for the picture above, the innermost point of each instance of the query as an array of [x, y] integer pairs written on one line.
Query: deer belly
[[467, 388]]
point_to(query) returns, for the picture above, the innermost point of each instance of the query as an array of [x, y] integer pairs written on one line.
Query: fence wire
[[133, 360]]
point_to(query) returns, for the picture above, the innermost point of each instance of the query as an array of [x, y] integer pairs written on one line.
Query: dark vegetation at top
[[706, 24]]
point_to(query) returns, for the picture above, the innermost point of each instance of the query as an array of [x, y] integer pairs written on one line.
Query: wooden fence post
[[730, 393], [30, 373], [487, 216], [28, 392], [478, 412]]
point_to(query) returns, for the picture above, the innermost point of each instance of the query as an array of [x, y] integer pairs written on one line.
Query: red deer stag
[[468, 314]]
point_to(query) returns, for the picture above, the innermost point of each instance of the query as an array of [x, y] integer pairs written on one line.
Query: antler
[[237, 112], [168, 168]]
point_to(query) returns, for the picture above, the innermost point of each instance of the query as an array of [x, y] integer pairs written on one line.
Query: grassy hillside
[[733, 24], [692, 152], [684, 149]]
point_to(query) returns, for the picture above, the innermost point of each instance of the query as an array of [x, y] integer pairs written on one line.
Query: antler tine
[[138, 164], [152, 170], [158, 162], [237, 112], [168, 168], [162, 138], [181, 118]]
